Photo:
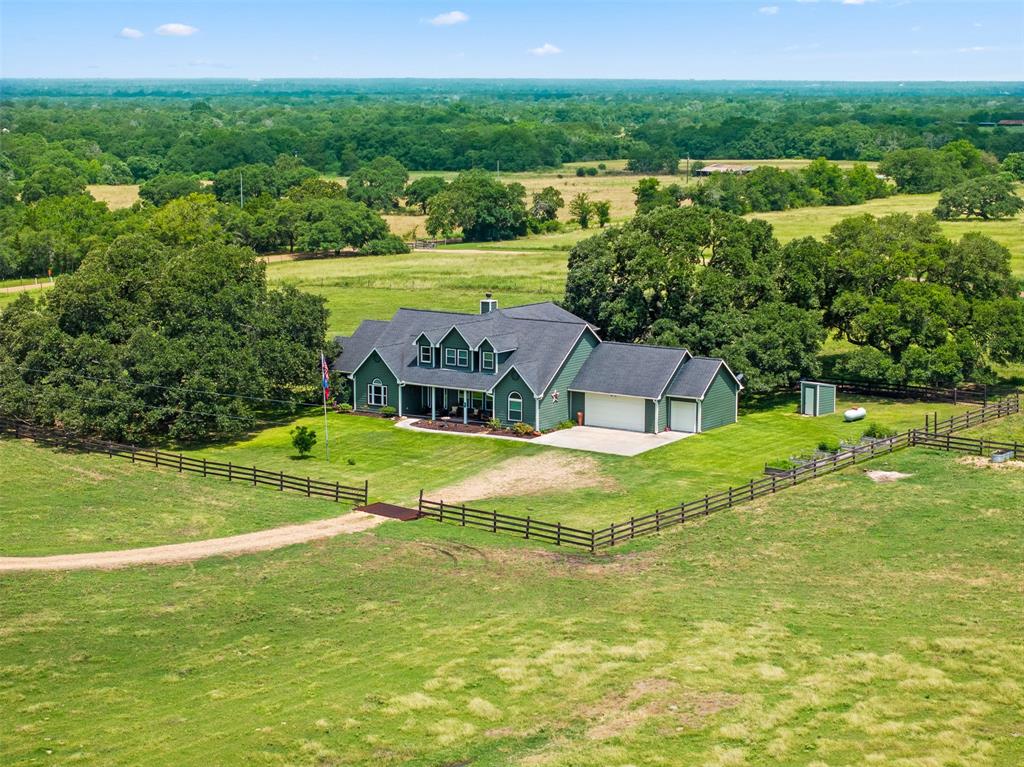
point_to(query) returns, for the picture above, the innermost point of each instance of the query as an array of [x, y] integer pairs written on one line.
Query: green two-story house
[[537, 364]]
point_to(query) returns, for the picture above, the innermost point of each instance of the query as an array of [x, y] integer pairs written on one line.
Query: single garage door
[[682, 415], [614, 412]]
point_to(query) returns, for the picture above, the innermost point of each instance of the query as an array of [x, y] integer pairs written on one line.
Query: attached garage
[[682, 415], [613, 411]]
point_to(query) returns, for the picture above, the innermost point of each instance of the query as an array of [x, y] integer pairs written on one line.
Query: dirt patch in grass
[[886, 476], [621, 713], [981, 462], [528, 475]]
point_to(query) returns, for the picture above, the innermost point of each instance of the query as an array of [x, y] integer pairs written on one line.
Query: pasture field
[[373, 287], [103, 503], [841, 623], [116, 196], [580, 489]]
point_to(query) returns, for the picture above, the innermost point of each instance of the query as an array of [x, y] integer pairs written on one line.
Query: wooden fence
[[970, 394], [938, 434], [251, 475], [966, 444]]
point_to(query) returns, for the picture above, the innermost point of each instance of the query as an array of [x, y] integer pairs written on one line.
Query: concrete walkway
[[609, 441]]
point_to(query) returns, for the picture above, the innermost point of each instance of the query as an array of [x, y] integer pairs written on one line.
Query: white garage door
[[614, 412], [683, 415]]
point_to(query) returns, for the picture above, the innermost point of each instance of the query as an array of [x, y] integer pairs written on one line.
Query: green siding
[[719, 405], [512, 382], [485, 346], [826, 400], [662, 413], [649, 425], [454, 340], [576, 404], [553, 413], [374, 367]]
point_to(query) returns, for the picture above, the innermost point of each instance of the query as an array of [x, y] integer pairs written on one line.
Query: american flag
[[325, 373]]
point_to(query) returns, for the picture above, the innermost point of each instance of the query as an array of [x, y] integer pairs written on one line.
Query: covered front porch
[[437, 402]]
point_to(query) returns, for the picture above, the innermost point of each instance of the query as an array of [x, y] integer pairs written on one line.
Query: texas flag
[[326, 375]]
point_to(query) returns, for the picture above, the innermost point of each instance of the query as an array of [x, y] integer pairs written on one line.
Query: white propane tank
[[855, 414]]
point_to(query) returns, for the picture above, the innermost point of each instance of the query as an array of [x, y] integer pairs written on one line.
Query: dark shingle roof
[[631, 370], [695, 377], [539, 338], [354, 348]]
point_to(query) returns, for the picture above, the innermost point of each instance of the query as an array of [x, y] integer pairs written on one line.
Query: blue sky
[[772, 39]]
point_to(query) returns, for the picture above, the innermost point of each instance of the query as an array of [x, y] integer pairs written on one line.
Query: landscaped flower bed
[[469, 428]]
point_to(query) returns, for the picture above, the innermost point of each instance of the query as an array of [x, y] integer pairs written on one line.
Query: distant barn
[[1011, 123]]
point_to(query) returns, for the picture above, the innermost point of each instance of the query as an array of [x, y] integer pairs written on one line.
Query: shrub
[[877, 431], [566, 425], [829, 445], [522, 429], [350, 461], [581, 172], [783, 464], [601, 166], [493, 423], [387, 411], [388, 245], [345, 407], [303, 439], [591, 171]]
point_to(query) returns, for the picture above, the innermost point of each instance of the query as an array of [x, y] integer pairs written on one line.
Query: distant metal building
[[817, 398], [717, 167]]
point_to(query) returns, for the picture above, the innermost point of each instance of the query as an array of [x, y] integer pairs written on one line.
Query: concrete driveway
[[610, 441]]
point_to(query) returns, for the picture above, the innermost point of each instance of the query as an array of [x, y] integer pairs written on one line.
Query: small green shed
[[817, 398]]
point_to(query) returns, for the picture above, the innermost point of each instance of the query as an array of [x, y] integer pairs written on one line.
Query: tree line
[[919, 307]]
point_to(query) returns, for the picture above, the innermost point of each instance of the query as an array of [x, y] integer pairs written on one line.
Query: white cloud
[[447, 19], [176, 30], [545, 50], [130, 33], [975, 49], [768, 10]]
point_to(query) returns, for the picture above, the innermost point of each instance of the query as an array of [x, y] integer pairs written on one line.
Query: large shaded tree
[[145, 341], [482, 207], [379, 183]]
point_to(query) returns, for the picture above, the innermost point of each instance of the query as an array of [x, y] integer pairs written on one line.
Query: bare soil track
[[263, 540]]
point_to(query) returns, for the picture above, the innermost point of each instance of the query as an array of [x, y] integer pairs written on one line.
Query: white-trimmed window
[[487, 360], [426, 355], [450, 357], [376, 393], [515, 406], [463, 358]]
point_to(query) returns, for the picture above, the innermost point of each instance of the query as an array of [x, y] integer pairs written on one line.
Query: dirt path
[[264, 540], [23, 288]]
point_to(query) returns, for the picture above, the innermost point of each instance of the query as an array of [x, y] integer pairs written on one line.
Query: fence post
[[751, 489], [611, 534], [337, 491], [204, 467], [632, 527], [133, 453], [419, 506], [366, 490], [308, 492], [280, 481], [156, 456], [463, 515], [705, 504], [774, 477], [254, 476], [181, 460], [558, 533], [527, 527], [229, 471]]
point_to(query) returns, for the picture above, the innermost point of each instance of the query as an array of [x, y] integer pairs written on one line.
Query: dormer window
[[487, 360], [426, 355], [463, 358], [450, 357]]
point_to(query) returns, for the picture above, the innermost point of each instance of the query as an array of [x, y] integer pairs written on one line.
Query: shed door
[[809, 393], [614, 412], [683, 415]]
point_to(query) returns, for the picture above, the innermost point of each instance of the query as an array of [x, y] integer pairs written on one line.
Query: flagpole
[[323, 390]]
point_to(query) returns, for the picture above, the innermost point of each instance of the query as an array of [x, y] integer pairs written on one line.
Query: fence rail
[[972, 394], [253, 475], [966, 444], [937, 434]]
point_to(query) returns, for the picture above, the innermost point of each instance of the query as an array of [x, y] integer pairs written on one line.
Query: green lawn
[[841, 623], [94, 503], [580, 489]]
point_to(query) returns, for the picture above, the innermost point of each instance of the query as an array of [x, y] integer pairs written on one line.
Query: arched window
[[515, 406], [376, 393]]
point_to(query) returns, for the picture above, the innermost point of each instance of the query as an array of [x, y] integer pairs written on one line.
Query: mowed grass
[[843, 623], [95, 503], [373, 287], [543, 482]]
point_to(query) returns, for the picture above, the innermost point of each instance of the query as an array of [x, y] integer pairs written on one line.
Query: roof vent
[[487, 304]]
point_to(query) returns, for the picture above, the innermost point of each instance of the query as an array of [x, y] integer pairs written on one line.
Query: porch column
[[355, 399], [465, 406], [536, 413], [655, 416], [400, 387], [433, 403]]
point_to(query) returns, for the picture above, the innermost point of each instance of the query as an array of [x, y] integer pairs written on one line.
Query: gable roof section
[[356, 347], [695, 377], [539, 337], [629, 370]]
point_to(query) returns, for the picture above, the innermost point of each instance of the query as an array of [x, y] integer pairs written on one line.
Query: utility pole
[[498, 174], [241, 192], [687, 167]]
